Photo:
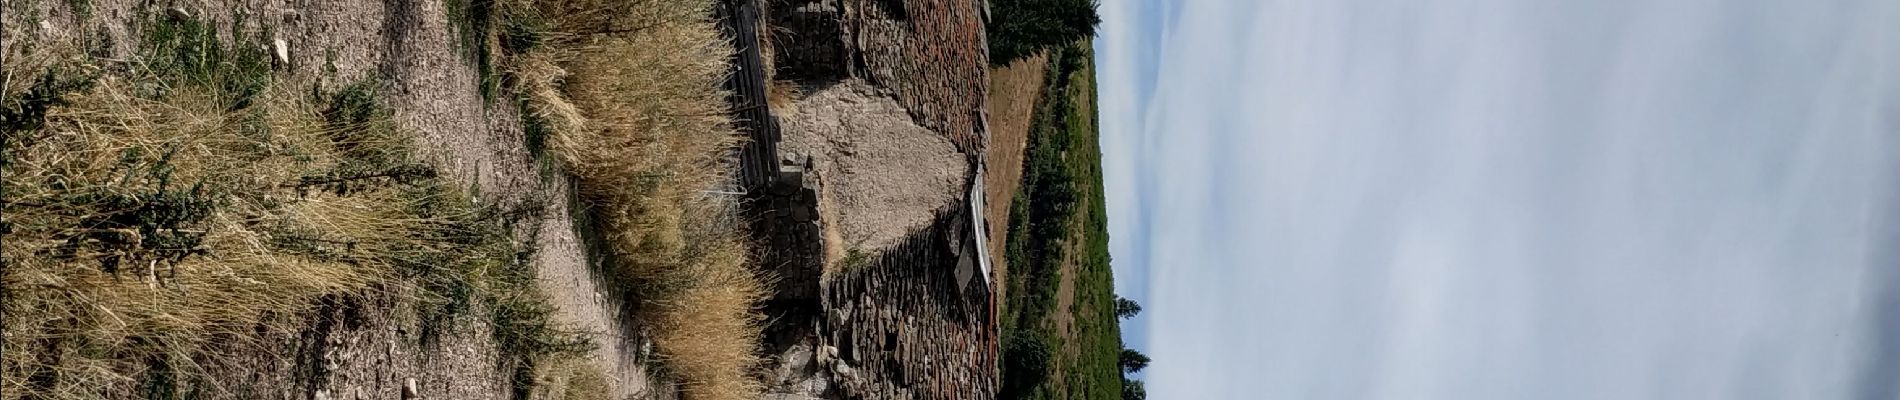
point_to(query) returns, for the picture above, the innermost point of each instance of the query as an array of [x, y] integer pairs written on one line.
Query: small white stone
[[282, 50], [409, 389], [826, 355], [839, 317]]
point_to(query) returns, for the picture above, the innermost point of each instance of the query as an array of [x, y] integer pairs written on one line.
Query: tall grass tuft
[[628, 96]]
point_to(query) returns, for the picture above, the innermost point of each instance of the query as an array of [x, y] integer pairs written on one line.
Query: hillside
[[1062, 336]]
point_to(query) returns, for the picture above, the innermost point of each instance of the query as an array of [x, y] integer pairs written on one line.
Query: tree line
[[1020, 28]]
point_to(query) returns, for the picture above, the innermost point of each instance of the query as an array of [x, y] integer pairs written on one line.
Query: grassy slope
[[1096, 338], [302, 202], [1014, 91], [1058, 232], [228, 195]]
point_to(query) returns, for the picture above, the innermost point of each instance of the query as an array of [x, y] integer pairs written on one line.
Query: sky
[[1490, 199]]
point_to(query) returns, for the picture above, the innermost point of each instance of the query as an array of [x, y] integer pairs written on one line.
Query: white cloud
[[1499, 199]]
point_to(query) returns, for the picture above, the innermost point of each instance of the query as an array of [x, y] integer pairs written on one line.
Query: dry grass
[[781, 94], [161, 212], [1014, 90], [631, 105], [88, 290], [575, 379]]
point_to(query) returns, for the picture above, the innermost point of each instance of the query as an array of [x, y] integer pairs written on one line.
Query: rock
[[178, 13], [281, 50], [322, 394], [827, 355], [839, 317], [409, 389], [795, 362], [819, 358]]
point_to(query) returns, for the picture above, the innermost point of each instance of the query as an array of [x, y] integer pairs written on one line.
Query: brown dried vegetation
[[627, 94]]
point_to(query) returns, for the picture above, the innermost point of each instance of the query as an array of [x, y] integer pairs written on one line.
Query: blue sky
[[1489, 199]]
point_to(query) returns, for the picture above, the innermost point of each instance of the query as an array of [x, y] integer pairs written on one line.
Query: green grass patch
[[489, 31], [185, 52]]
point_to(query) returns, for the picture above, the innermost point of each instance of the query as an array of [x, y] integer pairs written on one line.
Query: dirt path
[[435, 92], [1012, 100]]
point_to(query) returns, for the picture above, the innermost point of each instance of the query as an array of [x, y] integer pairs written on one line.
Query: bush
[[1134, 390], [1133, 361], [1026, 361], [1019, 28]]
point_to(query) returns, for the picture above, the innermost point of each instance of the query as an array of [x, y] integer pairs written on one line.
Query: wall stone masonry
[[786, 221], [928, 54], [902, 324], [903, 327]]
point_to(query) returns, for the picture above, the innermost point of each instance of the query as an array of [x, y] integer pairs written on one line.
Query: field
[[1062, 338], [1014, 91]]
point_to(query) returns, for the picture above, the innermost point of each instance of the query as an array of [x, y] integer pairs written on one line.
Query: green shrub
[[1026, 361], [1019, 28]]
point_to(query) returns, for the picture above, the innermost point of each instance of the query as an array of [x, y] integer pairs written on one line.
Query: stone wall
[[757, 157], [903, 327], [808, 40], [928, 54], [781, 200], [785, 221], [901, 324]]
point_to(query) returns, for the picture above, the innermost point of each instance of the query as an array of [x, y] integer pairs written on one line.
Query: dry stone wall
[[808, 39], [903, 326], [785, 221], [901, 323], [928, 54]]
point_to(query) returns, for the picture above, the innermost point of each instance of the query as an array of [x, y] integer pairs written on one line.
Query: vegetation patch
[[1058, 227], [626, 96], [1021, 28], [164, 213]]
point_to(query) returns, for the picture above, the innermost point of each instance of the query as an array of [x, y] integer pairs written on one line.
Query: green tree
[[1026, 359], [1125, 308], [1133, 361], [1134, 390], [1019, 28]]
